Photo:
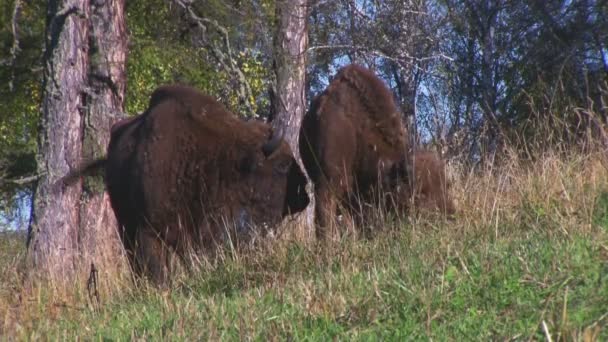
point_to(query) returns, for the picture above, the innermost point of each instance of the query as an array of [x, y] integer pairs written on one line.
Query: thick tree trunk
[[83, 86], [99, 243], [52, 241], [290, 44]]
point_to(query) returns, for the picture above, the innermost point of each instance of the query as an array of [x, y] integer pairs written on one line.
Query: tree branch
[[226, 59], [406, 59], [22, 180]]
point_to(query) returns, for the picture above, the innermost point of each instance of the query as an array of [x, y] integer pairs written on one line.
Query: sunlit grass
[[526, 257]]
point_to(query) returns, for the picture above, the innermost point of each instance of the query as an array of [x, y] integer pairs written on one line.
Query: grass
[[526, 258]]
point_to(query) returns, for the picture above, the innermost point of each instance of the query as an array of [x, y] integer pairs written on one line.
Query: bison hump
[[371, 103]]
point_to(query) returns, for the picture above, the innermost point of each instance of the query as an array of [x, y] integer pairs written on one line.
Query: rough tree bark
[[83, 86], [290, 44], [104, 103]]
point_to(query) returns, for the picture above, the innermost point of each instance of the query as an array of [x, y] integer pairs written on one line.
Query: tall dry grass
[[561, 193], [559, 188]]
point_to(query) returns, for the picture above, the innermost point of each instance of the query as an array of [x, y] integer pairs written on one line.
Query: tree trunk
[[83, 85], [290, 44], [488, 67], [52, 240], [407, 83], [99, 243]]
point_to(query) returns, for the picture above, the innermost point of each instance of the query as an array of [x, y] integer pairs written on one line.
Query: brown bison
[[355, 148], [187, 170], [427, 186], [352, 136]]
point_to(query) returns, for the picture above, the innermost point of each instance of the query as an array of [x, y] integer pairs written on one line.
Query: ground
[[526, 257]]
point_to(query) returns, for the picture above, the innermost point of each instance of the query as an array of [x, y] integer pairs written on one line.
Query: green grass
[[396, 286], [525, 261]]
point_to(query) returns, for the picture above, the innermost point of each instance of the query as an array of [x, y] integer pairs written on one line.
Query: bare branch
[[406, 59], [223, 54], [22, 180]]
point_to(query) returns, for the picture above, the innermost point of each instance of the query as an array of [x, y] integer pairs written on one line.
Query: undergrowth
[[525, 258]]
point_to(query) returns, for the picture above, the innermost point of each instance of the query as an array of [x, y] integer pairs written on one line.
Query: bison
[[351, 137], [186, 170], [355, 149]]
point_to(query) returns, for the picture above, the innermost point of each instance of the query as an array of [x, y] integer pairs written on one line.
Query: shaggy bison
[[355, 148], [187, 170], [352, 136]]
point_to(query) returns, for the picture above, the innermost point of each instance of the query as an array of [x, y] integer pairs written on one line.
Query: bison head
[[419, 183], [274, 185]]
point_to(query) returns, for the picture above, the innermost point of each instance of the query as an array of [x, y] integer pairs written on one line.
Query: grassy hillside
[[527, 257]]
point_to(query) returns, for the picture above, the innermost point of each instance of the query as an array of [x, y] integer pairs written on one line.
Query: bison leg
[[325, 212], [151, 257]]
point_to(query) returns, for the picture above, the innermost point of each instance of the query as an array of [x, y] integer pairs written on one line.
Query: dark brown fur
[[351, 137], [186, 169], [428, 190]]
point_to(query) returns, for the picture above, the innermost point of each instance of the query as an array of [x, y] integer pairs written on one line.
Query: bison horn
[[273, 143]]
